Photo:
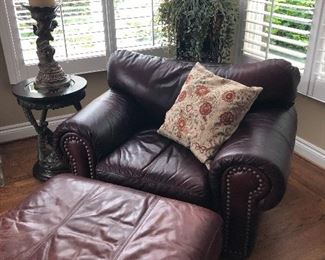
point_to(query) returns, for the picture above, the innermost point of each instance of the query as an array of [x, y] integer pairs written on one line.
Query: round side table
[[49, 163]]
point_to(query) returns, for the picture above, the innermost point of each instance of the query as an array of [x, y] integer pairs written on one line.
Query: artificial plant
[[200, 30]]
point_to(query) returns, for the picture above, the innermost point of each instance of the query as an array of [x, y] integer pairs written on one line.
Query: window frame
[[305, 86], [7, 40], [18, 70], [317, 23]]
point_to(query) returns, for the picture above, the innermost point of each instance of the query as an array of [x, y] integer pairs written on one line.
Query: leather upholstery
[[262, 140], [164, 165], [108, 121], [75, 218], [249, 172], [156, 82]]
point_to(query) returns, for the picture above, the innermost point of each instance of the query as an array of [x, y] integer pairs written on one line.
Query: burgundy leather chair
[[114, 139]]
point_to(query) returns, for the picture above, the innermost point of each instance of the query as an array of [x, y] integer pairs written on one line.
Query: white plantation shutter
[[317, 78], [80, 32], [269, 33], [263, 36], [88, 31], [79, 39], [136, 24]]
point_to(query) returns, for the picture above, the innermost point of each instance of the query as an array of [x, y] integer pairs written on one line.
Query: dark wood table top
[[25, 90], [30, 97]]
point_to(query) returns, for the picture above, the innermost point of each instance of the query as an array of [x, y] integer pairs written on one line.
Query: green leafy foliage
[[294, 12], [201, 30]]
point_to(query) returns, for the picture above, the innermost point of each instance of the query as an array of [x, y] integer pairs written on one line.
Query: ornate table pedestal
[[49, 162]]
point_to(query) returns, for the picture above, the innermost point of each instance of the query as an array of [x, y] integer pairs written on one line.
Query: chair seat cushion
[[153, 163]]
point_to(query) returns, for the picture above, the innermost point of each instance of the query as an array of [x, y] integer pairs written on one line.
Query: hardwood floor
[[17, 163], [295, 229]]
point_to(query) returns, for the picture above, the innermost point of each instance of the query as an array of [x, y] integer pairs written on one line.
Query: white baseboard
[[311, 152], [25, 130]]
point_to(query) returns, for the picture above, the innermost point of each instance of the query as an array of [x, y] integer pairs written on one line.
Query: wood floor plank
[[304, 244], [17, 162], [309, 175], [12, 194], [295, 229]]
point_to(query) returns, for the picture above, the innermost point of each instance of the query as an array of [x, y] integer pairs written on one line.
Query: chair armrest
[[97, 129], [264, 142], [249, 173]]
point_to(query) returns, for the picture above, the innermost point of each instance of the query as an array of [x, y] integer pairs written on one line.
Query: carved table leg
[[49, 163], [77, 106]]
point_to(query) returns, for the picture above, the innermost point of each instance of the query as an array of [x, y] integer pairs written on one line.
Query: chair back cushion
[[156, 82]]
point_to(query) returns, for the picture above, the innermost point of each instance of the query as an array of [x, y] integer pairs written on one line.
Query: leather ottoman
[[76, 218]]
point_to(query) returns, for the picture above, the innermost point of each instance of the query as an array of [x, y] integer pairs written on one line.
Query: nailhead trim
[[251, 195], [78, 140]]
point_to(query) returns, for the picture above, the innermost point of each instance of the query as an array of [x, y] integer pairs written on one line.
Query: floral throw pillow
[[207, 112]]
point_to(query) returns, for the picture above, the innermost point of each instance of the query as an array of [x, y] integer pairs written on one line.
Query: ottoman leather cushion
[[75, 218]]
